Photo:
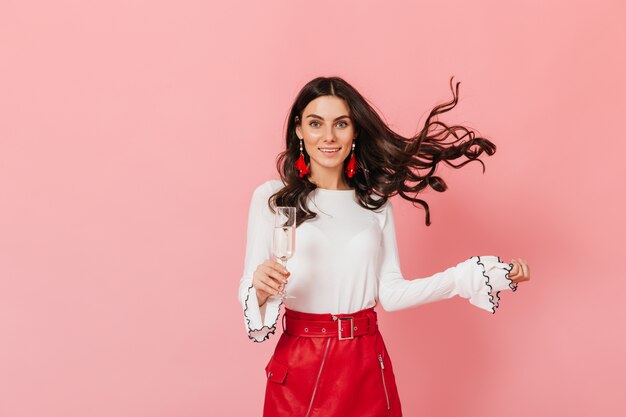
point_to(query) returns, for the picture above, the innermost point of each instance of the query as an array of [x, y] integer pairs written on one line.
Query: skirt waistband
[[341, 326]]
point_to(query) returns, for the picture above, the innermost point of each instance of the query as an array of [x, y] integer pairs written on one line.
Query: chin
[[330, 167]]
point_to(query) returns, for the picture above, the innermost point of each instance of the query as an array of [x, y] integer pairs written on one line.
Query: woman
[[340, 166]]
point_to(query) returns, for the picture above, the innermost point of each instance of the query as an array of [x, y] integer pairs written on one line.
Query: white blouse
[[346, 260]]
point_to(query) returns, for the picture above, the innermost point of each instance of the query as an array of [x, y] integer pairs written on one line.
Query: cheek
[[314, 134], [346, 136], [347, 139], [309, 144]]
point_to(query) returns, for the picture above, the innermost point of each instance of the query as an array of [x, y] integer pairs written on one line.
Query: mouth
[[329, 151]]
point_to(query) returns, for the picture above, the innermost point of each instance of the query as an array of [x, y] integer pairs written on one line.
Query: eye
[[311, 124], [345, 124]]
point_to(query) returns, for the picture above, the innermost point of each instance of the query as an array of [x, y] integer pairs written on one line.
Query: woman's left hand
[[520, 271]]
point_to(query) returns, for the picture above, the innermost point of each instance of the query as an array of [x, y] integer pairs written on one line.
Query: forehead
[[327, 107]]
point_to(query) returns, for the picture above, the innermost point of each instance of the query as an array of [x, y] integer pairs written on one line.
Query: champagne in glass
[[284, 239]]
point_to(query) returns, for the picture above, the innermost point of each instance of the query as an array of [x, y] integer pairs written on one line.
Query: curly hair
[[389, 163]]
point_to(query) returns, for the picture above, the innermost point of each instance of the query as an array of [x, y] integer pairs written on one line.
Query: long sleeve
[[474, 279], [260, 322]]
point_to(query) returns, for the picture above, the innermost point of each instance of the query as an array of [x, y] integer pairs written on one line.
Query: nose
[[329, 135]]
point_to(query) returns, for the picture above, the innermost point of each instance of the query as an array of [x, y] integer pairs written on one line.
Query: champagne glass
[[284, 238]]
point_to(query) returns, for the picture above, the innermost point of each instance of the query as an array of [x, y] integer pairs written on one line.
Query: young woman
[[340, 166]]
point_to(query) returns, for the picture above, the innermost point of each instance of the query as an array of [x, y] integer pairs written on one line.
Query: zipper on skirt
[[382, 374], [318, 377]]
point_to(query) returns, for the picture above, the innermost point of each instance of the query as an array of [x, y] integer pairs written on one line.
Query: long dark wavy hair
[[389, 163]]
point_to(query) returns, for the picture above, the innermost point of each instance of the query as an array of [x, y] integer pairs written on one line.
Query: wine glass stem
[[284, 265]]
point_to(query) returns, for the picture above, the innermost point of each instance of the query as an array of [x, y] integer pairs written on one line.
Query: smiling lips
[[329, 151]]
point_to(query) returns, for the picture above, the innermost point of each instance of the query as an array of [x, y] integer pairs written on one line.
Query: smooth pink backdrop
[[132, 134]]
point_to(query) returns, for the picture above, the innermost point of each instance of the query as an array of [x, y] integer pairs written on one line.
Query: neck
[[330, 181]]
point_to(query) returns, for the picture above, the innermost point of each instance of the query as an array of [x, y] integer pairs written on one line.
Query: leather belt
[[341, 327]]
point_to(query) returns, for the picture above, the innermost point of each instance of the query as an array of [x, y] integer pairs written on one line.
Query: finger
[[258, 282], [267, 288], [272, 283], [280, 268], [522, 273], [513, 268], [261, 277], [525, 269], [274, 274]]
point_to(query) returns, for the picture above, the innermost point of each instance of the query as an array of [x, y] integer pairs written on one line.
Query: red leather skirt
[[330, 366]]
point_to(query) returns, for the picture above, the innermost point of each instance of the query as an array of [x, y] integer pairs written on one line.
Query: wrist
[[262, 300]]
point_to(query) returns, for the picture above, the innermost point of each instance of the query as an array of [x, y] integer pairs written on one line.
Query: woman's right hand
[[269, 278]]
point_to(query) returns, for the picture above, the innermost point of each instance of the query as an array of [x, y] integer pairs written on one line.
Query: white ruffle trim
[[490, 274], [260, 321]]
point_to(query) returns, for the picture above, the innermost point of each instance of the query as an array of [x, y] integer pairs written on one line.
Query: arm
[[259, 321], [474, 279]]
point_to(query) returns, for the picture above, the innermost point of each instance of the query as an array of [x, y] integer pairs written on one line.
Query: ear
[[299, 132]]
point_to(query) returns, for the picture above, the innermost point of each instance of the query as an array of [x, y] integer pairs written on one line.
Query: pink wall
[[132, 134]]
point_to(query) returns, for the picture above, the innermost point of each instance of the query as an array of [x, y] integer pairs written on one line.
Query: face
[[327, 132]]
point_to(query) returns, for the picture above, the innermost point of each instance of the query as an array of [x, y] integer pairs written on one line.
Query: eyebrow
[[321, 118]]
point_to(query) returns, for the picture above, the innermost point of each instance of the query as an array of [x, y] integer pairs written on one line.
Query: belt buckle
[[351, 328]]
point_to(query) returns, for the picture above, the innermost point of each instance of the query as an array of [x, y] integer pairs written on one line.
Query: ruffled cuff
[[489, 275], [260, 321]]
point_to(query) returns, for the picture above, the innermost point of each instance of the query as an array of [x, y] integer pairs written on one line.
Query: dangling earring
[[352, 165], [301, 164]]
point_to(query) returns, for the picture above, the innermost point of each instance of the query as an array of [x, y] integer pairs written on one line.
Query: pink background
[[132, 134]]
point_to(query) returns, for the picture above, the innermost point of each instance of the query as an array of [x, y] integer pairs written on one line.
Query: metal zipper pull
[[382, 374]]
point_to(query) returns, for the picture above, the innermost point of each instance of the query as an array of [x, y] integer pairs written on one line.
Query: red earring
[[352, 165], [301, 164]]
